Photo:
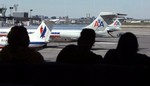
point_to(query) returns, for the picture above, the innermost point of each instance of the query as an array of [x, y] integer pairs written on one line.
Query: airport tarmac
[[102, 45]]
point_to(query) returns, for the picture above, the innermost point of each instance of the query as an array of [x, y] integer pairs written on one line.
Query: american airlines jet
[[101, 28], [37, 39]]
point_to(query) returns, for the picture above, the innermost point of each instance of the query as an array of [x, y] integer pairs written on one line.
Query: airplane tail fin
[[43, 32], [49, 24], [115, 26], [98, 24]]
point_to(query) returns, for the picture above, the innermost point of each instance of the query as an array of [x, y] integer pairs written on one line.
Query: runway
[[102, 45]]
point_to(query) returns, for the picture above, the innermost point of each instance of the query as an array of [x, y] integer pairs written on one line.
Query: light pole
[[30, 12], [15, 7], [10, 10]]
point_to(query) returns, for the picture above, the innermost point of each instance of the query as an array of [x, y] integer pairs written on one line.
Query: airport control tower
[[2, 12], [2, 15]]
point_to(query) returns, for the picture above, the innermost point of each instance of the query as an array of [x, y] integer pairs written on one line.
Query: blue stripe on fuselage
[[55, 32], [37, 42]]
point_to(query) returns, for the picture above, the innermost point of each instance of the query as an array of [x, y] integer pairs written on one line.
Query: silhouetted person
[[126, 52], [81, 53], [67, 54], [17, 49]]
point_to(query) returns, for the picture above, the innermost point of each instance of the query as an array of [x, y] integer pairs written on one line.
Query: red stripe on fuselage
[[54, 36], [3, 34]]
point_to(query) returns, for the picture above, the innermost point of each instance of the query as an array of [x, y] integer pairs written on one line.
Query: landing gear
[[45, 46], [120, 34], [110, 33], [115, 34]]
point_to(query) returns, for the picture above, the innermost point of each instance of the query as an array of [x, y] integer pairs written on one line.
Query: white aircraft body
[[101, 28], [37, 39]]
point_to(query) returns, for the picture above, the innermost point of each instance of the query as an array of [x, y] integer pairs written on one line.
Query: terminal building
[[16, 17], [20, 14]]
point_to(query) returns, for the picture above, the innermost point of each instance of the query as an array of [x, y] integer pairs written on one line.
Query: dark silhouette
[[17, 49], [81, 53], [126, 52], [67, 54]]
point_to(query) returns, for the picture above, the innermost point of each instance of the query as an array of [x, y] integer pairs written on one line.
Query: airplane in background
[[99, 25], [38, 39], [115, 26]]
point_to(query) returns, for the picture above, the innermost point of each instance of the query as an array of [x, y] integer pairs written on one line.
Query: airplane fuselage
[[63, 34], [73, 34]]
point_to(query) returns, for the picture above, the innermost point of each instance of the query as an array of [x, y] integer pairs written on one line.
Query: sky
[[138, 9]]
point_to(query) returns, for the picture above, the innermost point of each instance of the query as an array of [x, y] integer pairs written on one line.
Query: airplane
[[38, 39], [101, 28], [115, 26]]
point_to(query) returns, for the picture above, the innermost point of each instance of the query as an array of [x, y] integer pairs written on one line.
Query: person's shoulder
[[112, 50], [142, 55], [5, 50], [33, 52], [111, 54], [143, 58], [6, 47], [95, 55], [70, 48]]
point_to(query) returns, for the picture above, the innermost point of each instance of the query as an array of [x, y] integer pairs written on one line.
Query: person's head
[[86, 39], [18, 36], [128, 43], [67, 54]]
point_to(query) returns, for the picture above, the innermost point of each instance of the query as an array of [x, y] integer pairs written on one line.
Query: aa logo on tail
[[116, 23], [42, 32], [99, 23]]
